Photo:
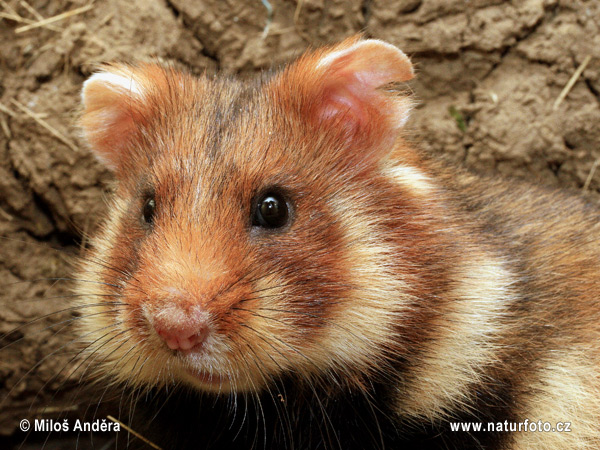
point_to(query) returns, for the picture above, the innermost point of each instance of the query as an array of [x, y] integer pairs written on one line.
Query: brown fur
[[468, 298]]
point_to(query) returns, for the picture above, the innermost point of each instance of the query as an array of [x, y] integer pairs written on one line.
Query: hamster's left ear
[[342, 86], [117, 101]]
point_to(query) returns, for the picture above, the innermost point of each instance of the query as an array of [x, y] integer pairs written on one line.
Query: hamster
[[281, 253]]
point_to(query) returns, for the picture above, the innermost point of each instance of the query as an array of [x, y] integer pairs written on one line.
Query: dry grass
[[135, 433], [57, 134], [53, 19], [571, 82], [11, 14], [591, 175]]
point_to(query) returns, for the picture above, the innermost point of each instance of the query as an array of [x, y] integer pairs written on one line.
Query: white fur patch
[[376, 302], [411, 178], [466, 340], [329, 59], [566, 392], [118, 82]]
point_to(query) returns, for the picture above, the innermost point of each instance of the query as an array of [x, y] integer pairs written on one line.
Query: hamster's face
[[242, 242]]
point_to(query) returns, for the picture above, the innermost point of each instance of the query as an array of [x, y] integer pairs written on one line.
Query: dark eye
[[271, 211], [148, 210]]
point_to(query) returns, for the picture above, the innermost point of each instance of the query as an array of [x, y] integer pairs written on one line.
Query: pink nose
[[181, 329]]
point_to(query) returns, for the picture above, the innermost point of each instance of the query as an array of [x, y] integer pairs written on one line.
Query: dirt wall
[[489, 76]]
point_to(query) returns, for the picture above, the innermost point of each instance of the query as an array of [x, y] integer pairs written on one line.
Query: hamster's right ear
[[114, 104]]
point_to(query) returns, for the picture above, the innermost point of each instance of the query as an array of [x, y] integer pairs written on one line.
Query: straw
[[151, 444], [46, 125], [591, 175], [571, 82], [53, 19]]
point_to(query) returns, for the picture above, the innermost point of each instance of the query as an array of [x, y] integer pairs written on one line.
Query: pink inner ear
[[340, 100], [351, 78], [111, 132], [350, 98]]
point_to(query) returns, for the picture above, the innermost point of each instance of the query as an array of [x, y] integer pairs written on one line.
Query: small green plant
[[459, 118]]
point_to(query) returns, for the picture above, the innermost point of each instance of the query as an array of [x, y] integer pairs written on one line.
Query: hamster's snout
[[182, 327]]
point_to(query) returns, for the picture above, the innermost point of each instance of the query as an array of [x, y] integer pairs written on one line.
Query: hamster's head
[[246, 240]]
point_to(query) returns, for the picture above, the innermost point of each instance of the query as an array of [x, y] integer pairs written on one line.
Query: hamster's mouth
[[209, 379]]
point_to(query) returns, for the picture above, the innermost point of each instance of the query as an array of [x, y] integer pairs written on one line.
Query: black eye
[[148, 210], [271, 211]]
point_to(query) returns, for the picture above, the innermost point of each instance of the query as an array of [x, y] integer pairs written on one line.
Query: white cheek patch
[[411, 178]]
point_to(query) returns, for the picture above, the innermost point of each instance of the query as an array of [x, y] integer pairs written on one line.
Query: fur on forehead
[[339, 92]]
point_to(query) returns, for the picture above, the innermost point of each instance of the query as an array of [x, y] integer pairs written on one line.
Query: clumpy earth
[[490, 75]]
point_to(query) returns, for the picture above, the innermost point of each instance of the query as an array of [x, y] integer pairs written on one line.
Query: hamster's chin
[[199, 377], [207, 381]]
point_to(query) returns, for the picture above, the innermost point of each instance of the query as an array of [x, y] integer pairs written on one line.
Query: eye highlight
[[271, 211], [149, 210]]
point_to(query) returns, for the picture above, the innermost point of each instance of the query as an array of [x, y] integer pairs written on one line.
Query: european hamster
[[278, 248]]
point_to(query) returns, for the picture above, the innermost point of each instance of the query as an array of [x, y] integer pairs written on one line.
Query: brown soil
[[489, 73]]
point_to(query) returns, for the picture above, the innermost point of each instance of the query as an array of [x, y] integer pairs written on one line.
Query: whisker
[[45, 316], [65, 296], [67, 365], [382, 362], [78, 280], [266, 380], [41, 362]]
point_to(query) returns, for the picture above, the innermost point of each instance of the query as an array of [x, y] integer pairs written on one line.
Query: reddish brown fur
[[452, 295]]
